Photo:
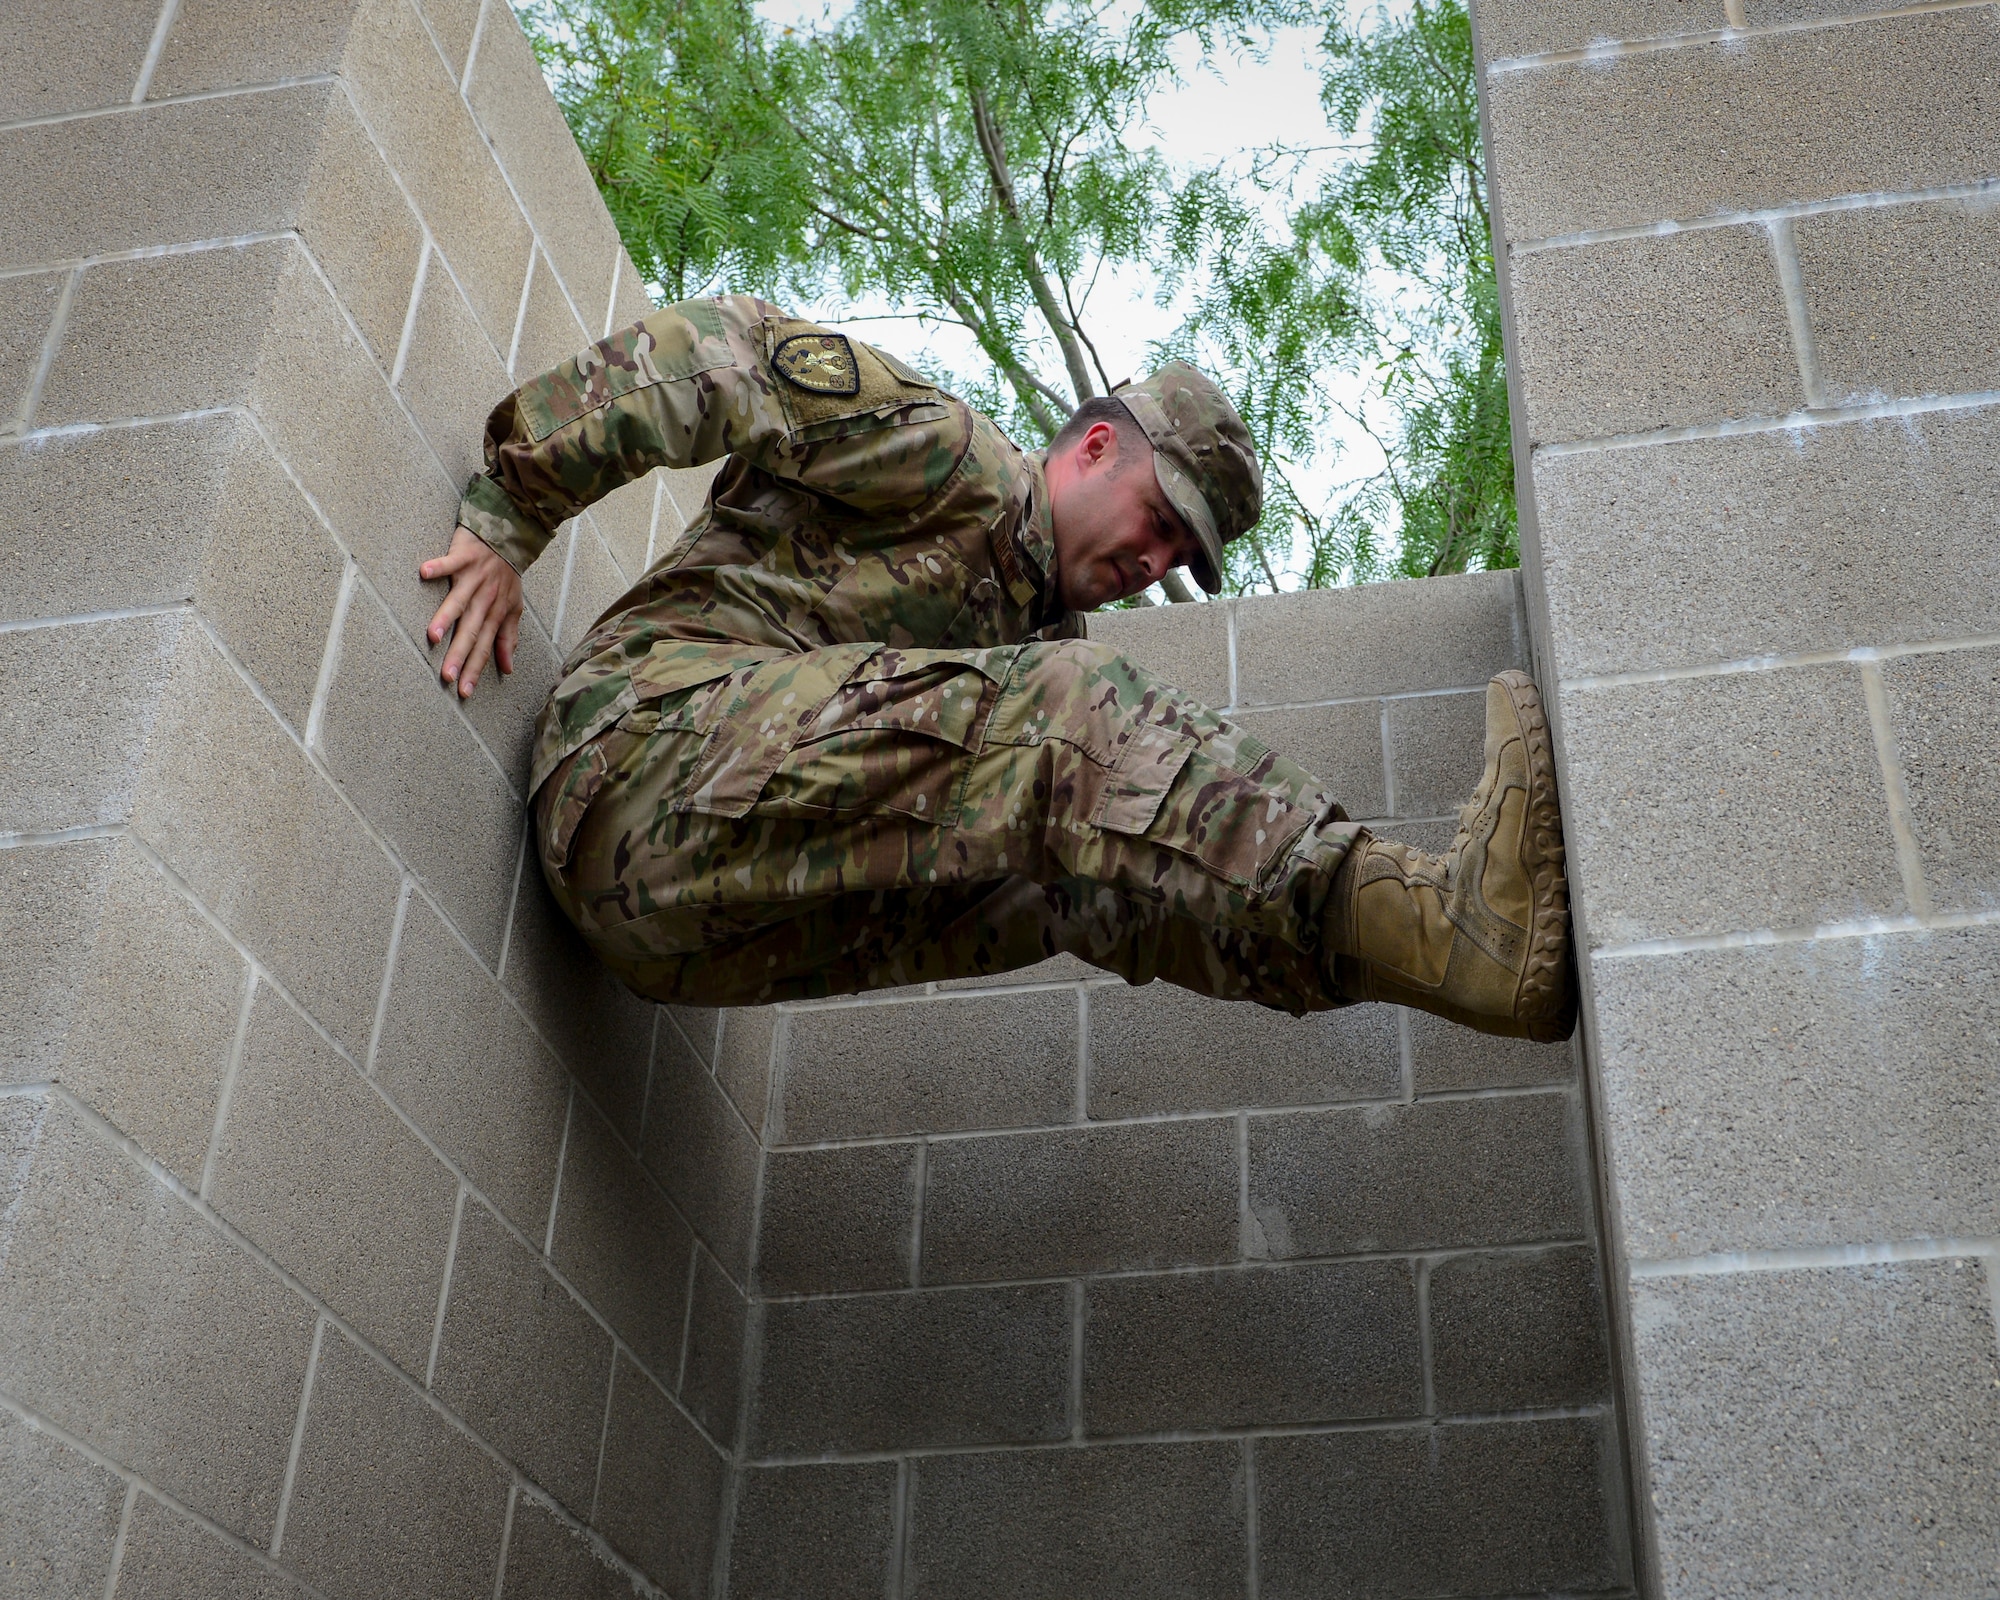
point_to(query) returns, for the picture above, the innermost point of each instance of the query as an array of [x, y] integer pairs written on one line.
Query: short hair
[[1133, 445]]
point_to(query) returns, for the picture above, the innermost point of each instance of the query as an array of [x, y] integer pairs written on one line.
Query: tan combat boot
[[1479, 935]]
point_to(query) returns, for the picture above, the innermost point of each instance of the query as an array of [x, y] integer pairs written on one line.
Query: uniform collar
[[1038, 527]]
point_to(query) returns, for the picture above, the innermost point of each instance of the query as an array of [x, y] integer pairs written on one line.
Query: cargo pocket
[[892, 741], [565, 799], [754, 725], [1134, 787]]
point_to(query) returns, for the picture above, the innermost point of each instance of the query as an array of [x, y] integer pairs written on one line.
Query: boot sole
[[1545, 1002]]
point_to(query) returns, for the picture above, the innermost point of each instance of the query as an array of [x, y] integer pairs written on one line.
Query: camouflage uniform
[[844, 736]]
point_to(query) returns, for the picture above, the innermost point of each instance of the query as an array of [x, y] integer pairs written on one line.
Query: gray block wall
[[1748, 257], [338, 1248], [1063, 1287], [359, 1236]]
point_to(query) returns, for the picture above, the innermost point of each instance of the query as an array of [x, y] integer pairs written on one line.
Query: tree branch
[[994, 150]]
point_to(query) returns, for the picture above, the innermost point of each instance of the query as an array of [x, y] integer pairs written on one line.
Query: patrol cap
[[1203, 458]]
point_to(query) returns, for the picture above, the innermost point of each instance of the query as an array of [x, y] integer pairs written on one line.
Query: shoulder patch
[[819, 363]]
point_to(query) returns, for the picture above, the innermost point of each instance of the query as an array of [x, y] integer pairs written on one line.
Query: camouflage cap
[[1203, 458]]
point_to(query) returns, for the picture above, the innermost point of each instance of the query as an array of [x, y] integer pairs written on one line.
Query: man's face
[[1115, 531]]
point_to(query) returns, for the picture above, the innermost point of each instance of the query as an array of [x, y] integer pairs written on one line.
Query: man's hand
[[485, 602]]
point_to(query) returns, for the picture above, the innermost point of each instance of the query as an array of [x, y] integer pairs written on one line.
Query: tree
[[981, 163], [1386, 264]]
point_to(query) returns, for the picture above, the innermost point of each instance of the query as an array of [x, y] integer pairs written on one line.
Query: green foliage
[[980, 163], [1385, 267]]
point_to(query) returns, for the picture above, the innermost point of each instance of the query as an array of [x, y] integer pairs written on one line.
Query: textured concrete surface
[[365, 1235], [1746, 252]]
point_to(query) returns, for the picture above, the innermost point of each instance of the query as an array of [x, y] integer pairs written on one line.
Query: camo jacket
[[860, 504]]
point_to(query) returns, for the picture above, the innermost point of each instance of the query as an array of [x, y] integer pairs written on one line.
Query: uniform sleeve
[[697, 381]]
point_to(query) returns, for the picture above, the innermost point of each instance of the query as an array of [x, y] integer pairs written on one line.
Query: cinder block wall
[[351, 1234], [359, 1237], [1063, 1287], [1750, 254]]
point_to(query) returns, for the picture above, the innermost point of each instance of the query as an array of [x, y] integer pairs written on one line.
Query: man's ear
[[1099, 446]]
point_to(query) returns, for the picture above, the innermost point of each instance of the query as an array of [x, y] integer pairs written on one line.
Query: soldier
[[848, 733]]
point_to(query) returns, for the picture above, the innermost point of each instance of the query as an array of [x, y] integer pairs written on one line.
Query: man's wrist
[[499, 523]]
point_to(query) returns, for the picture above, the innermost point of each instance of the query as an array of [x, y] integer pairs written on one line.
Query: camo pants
[[863, 817]]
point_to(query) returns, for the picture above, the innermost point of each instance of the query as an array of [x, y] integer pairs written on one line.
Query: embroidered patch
[[819, 363]]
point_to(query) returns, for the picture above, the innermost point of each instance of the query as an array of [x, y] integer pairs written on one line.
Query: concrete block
[[1339, 745], [1449, 1510], [824, 1531], [59, 1515], [595, 583], [452, 375], [410, 101], [218, 43], [698, 1029], [512, 102], [1437, 750], [269, 577], [619, 1241], [1511, 1332], [77, 708], [985, 1061], [51, 901], [503, 709], [1250, 1346], [1121, 1523], [631, 299], [1064, 968], [1701, 805], [743, 1046], [1162, 1048], [1648, 333], [550, 331], [545, 1556], [27, 313], [1836, 1425], [389, 1497], [542, 583], [158, 485], [274, 854], [1813, 1093], [1089, 1199], [660, 1489], [928, 1367], [128, 1321], [156, 1017], [1444, 1056], [1861, 534], [837, 1219], [138, 179], [601, 1030], [362, 231], [324, 1177], [64, 60], [522, 1361], [1379, 638], [624, 521], [1186, 645], [452, 23], [1438, 1173], [712, 1366], [396, 743], [1531, 27], [1903, 103], [169, 1556], [328, 406], [461, 1064], [1900, 298], [1943, 710], [704, 1156], [688, 489]]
